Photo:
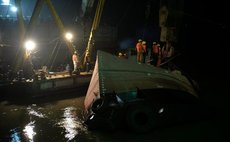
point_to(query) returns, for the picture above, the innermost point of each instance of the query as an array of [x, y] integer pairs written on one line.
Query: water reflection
[[15, 136], [71, 123], [29, 131], [35, 113]]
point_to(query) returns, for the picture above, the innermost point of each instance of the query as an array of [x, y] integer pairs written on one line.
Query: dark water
[[61, 120]]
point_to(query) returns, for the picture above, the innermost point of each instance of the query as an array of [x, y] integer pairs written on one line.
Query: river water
[[61, 120]]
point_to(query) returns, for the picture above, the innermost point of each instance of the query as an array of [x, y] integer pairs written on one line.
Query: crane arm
[[95, 24]]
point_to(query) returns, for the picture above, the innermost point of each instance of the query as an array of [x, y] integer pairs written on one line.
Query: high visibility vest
[[74, 58], [139, 47]]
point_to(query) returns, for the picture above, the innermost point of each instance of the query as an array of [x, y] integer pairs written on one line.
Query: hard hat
[[154, 42], [120, 54], [158, 45], [75, 52], [139, 40], [143, 42]]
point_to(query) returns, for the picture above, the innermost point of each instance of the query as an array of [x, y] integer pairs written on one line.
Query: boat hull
[[52, 85], [139, 97]]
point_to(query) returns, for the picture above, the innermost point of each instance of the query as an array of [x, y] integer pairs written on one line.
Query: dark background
[[202, 41]]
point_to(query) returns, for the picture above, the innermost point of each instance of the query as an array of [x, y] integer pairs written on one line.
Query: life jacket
[[139, 47], [74, 58]]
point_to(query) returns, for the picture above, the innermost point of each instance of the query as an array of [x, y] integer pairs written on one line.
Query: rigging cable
[[58, 48], [52, 54]]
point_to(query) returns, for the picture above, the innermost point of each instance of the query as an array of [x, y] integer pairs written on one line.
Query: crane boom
[[95, 24], [59, 24]]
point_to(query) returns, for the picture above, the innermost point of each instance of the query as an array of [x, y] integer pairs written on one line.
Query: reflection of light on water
[[35, 113], [29, 130], [71, 123], [15, 137]]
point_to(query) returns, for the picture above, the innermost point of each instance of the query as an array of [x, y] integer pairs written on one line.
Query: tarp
[[114, 74]]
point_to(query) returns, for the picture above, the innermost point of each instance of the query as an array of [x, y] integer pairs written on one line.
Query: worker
[[155, 52], [167, 50], [139, 51], [159, 56], [167, 53], [88, 65], [75, 61], [144, 48]]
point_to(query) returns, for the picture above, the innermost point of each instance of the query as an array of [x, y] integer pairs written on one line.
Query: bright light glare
[[71, 123], [5, 2], [69, 36], [161, 110], [35, 113], [14, 9], [29, 131], [30, 45]]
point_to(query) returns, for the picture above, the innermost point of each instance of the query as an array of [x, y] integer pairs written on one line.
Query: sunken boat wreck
[[139, 97]]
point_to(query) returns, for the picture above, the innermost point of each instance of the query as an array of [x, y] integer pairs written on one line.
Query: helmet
[[139, 40], [75, 52], [143, 42], [154, 42], [158, 45]]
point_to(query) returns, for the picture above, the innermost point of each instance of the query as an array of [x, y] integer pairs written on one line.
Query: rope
[[52, 54]]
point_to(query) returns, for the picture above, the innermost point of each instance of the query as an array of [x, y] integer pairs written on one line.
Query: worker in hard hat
[[139, 50], [159, 56], [155, 52]]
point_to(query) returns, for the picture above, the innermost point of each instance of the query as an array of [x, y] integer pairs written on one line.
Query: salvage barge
[[54, 83], [140, 97]]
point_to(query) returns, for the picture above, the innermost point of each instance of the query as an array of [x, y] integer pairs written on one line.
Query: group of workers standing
[[158, 53]]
